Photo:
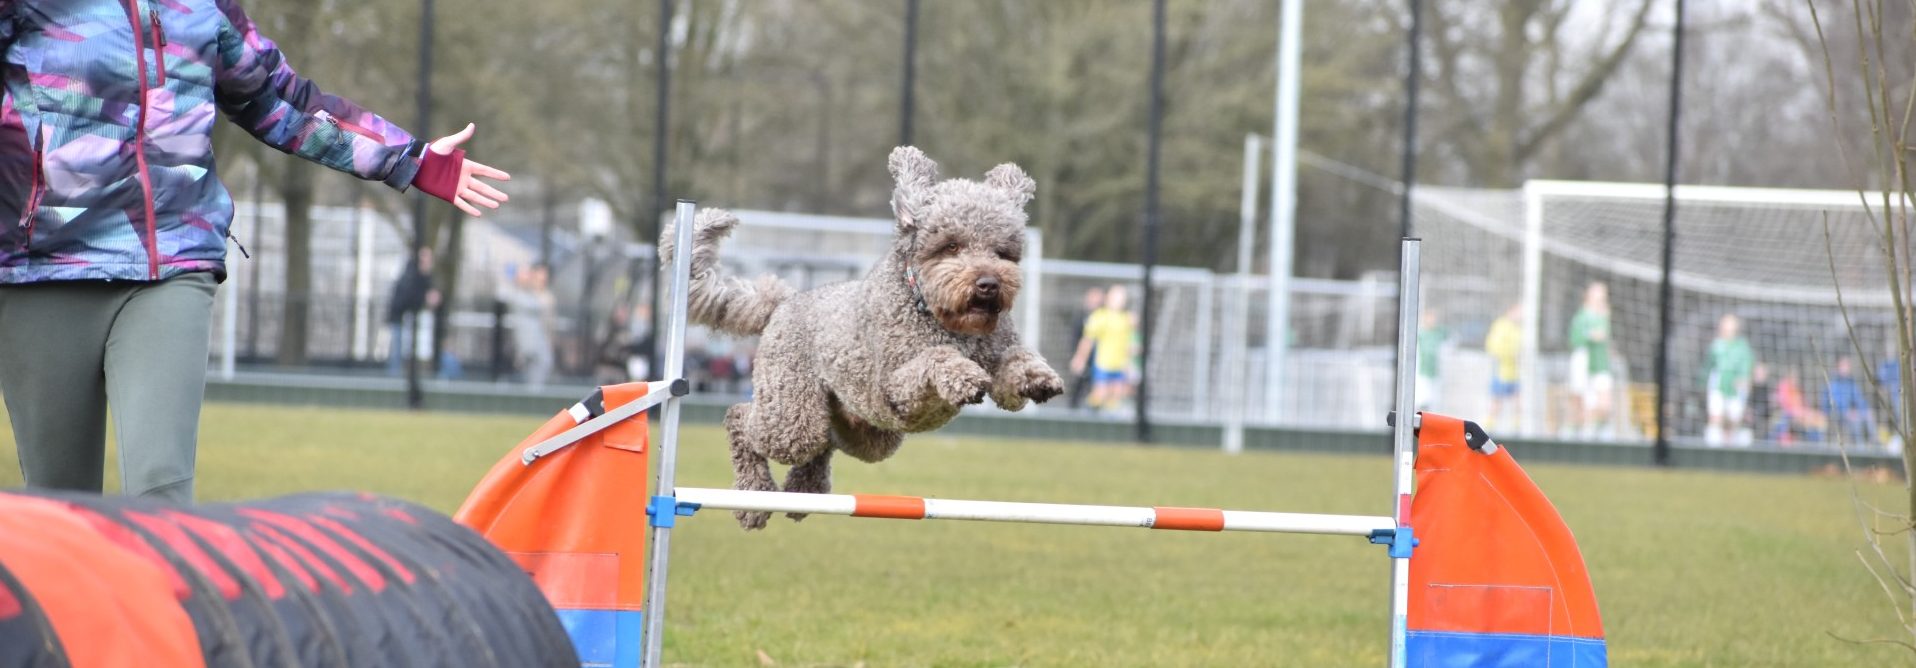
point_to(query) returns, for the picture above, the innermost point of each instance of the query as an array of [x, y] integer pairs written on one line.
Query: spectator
[[412, 292], [530, 312], [1762, 408], [1799, 420], [1110, 330], [1889, 384], [609, 366], [109, 273], [1591, 382], [1430, 347], [1728, 389], [638, 365], [1843, 402], [1081, 382], [1503, 343]]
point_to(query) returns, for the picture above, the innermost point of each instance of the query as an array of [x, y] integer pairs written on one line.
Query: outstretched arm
[[1080, 354], [258, 89]]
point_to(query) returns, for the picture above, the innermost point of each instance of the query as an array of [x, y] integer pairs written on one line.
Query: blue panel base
[[1446, 649], [605, 638]]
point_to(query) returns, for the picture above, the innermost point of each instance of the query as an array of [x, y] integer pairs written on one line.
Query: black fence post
[[1151, 221], [416, 395], [908, 94], [663, 59], [1412, 76], [1662, 448]]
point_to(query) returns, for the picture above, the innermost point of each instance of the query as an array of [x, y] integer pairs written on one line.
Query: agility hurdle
[[1483, 571]]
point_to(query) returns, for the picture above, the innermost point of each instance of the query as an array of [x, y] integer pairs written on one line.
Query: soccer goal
[[1781, 262]]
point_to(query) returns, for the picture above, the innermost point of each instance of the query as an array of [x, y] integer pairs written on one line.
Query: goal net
[[1771, 259]]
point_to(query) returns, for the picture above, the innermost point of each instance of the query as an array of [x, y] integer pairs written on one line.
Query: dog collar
[[917, 295], [911, 277]]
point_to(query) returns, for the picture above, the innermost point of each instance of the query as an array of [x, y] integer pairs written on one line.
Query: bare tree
[[1881, 73], [1538, 63]]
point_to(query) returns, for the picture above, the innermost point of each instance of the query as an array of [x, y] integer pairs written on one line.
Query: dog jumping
[[855, 366]]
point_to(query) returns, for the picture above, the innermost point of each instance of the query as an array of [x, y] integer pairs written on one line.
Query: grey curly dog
[[854, 366]]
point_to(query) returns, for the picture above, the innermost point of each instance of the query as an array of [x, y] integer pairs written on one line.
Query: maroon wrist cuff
[[439, 174]]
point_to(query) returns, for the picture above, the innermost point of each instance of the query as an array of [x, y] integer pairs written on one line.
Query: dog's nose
[[986, 284]]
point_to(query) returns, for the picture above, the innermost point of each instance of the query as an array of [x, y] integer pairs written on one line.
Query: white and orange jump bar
[[921, 508]]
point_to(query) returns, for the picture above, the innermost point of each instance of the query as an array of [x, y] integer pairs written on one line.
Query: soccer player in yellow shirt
[[1110, 329]]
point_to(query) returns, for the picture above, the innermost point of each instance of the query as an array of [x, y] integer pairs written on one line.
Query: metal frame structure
[[670, 502]]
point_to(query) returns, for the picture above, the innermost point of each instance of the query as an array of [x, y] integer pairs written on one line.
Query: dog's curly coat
[[854, 366]]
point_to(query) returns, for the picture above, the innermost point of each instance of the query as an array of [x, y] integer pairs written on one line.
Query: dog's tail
[[727, 303]]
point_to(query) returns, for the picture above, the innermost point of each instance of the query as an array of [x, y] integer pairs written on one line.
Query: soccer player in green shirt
[[1730, 363], [1430, 345], [1591, 382]]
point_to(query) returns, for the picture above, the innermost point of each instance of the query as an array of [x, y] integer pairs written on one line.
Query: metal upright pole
[[908, 94], [415, 395], [1404, 438], [668, 435], [1277, 312], [1661, 452], [1150, 219]]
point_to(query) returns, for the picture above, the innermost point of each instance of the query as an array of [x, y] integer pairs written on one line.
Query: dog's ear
[[913, 174], [1012, 178]]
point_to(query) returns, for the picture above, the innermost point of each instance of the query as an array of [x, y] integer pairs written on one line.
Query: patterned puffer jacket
[[106, 134]]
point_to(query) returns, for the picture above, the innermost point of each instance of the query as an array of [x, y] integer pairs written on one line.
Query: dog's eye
[[1008, 256], [951, 247]]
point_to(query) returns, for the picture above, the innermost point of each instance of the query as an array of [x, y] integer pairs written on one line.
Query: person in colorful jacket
[[113, 223]]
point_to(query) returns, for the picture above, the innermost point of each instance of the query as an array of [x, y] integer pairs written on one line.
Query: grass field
[[1691, 569]]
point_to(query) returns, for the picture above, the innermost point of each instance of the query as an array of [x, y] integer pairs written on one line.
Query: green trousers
[[71, 350]]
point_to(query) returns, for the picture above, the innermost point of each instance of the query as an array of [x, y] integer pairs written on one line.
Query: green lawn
[[1691, 569]]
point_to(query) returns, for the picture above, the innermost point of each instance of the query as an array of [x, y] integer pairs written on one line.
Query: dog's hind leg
[[750, 470], [787, 422], [812, 477]]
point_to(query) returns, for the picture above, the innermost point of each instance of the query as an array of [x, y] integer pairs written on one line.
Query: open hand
[[472, 193]]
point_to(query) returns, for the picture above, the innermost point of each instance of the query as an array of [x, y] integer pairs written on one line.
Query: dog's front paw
[[961, 384], [751, 520], [1041, 384]]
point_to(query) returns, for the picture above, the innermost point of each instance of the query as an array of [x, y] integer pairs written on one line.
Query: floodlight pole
[[1661, 451], [1237, 332], [1277, 311]]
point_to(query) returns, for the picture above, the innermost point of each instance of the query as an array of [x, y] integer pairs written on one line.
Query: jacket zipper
[[139, 146], [159, 37], [28, 214]]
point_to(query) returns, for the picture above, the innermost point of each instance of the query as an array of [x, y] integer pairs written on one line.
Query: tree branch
[[1585, 90]]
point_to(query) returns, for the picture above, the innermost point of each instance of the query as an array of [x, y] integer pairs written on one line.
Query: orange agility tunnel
[[308, 580]]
